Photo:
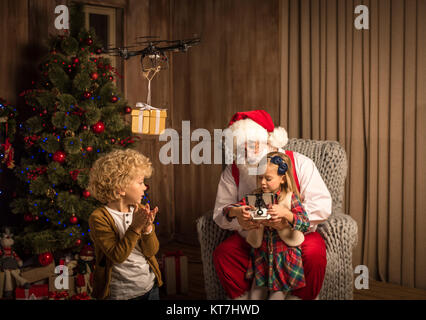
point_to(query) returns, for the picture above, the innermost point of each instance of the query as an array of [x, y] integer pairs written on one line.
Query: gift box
[[39, 273], [81, 296], [35, 292], [175, 272], [148, 120], [58, 295], [60, 283]]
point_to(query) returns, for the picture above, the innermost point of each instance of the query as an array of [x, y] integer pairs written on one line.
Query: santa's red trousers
[[231, 260]]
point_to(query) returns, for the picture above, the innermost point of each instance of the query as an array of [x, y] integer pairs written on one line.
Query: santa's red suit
[[231, 257]]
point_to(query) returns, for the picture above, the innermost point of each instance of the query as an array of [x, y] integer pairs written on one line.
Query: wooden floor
[[377, 290]]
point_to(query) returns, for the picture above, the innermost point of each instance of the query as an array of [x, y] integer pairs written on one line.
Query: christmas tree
[[76, 114]]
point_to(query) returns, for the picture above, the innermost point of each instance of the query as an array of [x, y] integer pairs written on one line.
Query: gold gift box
[[152, 121]]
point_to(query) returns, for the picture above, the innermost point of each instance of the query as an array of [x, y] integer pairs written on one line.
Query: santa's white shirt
[[133, 277], [316, 197]]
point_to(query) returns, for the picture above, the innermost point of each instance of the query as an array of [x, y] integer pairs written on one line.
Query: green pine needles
[[76, 114]]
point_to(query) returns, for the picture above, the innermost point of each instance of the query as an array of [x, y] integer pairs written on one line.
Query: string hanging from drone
[[151, 66], [153, 57]]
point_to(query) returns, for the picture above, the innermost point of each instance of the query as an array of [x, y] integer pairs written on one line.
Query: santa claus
[[254, 136]]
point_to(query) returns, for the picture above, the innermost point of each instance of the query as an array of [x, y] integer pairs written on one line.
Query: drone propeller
[[155, 50]]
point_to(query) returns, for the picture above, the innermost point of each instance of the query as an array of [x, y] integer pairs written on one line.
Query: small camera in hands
[[260, 202]]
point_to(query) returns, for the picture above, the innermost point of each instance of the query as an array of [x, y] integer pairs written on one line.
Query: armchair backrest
[[330, 159]]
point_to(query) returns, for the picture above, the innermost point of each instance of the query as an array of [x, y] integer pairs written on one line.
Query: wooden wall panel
[[145, 18], [235, 68], [137, 22], [14, 36]]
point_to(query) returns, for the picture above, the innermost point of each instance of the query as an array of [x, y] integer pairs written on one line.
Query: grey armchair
[[339, 231]]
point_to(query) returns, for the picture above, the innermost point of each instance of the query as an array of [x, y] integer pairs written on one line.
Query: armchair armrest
[[339, 231]]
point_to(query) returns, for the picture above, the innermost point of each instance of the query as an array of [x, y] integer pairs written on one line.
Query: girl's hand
[[278, 212], [244, 217], [279, 225]]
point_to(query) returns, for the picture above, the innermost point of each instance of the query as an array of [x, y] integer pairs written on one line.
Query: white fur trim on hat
[[249, 129], [278, 138]]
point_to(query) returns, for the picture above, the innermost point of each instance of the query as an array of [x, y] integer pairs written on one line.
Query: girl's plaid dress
[[274, 264]]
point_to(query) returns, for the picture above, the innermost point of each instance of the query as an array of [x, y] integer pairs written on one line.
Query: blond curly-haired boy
[[122, 229]]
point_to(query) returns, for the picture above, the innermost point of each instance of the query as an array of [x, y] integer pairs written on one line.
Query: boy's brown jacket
[[110, 249]]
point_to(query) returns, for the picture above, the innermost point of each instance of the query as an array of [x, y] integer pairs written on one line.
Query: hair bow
[[282, 166]]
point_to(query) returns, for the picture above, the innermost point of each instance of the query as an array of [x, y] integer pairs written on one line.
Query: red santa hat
[[258, 125], [86, 251]]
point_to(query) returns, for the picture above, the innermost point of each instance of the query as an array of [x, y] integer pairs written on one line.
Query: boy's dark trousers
[[153, 294]]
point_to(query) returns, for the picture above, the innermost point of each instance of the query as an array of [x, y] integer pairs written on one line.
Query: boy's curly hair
[[114, 171]]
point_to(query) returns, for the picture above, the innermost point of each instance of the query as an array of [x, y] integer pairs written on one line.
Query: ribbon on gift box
[[81, 296], [38, 292], [55, 295], [146, 107], [28, 296], [177, 254]]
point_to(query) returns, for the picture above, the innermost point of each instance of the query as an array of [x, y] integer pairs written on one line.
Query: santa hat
[[258, 125], [86, 251]]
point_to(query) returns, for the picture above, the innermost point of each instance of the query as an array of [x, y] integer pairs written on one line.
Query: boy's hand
[[151, 218], [143, 218]]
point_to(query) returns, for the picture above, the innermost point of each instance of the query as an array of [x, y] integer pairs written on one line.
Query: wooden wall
[[235, 68]]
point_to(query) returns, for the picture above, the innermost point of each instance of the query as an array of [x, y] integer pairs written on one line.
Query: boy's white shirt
[[316, 198], [133, 277]]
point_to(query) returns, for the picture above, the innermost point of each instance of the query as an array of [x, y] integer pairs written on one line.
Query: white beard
[[247, 169], [252, 165]]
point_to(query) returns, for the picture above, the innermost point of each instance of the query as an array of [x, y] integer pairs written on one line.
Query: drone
[[153, 54]]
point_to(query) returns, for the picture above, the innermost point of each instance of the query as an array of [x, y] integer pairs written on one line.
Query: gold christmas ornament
[[69, 133], [50, 193]]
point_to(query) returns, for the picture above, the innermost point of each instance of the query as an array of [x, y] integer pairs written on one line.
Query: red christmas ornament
[[114, 99], [59, 156], [86, 193], [89, 41], [110, 78], [89, 149], [94, 76], [99, 51], [73, 220], [45, 258], [98, 127], [75, 60], [87, 95], [127, 109], [28, 217], [112, 140], [77, 242], [74, 174]]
